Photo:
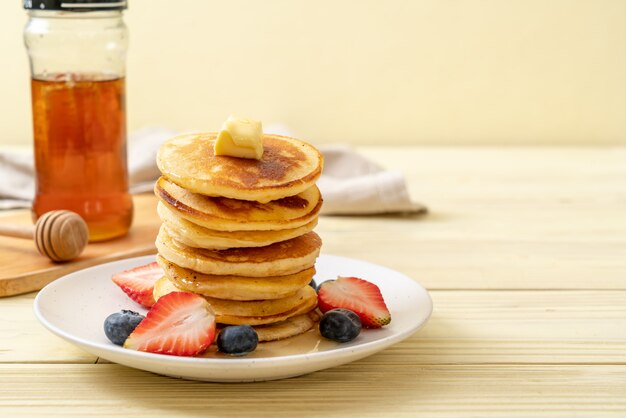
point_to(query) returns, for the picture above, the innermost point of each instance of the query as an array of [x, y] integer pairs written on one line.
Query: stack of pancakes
[[239, 231]]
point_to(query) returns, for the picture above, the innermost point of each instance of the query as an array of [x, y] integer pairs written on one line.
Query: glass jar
[[77, 52]]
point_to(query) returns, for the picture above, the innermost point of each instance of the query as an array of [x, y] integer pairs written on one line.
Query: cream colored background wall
[[365, 71]]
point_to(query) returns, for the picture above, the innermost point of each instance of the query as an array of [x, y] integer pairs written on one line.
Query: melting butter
[[240, 137]]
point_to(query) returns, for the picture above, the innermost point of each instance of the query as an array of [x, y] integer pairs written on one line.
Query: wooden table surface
[[524, 254]]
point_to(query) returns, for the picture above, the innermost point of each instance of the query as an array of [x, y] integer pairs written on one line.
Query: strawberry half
[[179, 323], [138, 283], [359, 296]]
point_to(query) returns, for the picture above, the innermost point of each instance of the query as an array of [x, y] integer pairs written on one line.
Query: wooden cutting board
[[25, 270]]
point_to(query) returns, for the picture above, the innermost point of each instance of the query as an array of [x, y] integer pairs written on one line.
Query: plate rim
[[236, 362]]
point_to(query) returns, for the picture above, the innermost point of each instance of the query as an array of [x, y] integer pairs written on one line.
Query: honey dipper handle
[[17, 231]]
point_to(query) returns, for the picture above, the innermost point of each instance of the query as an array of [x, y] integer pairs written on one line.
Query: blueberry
[[238, 340], [340, 325], [313, 284], [120, 325]]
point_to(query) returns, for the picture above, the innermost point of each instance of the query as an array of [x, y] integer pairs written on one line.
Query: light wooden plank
[[467, 327], [551, 327], [363, 389], [25, 270], [501, 218], [468, 262]]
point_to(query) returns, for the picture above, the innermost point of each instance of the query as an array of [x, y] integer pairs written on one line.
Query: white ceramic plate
[[74, 307]]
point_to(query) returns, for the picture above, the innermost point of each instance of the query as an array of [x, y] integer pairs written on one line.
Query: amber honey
[[80, 151]]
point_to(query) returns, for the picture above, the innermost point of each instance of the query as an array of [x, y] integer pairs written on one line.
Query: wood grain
[[524, 254], [362, 389], [467, 327], [25, 270], [61, 235], [500, 218]]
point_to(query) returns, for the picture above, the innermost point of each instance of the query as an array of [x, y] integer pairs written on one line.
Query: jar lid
[[75, 5]]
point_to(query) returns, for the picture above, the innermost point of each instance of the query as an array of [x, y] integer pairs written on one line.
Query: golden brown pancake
[[224, 214], [288, 167], [291, 327], [252, 312], [282, 258], [198, 236], [259, 308], [305, 307], [235, 287]]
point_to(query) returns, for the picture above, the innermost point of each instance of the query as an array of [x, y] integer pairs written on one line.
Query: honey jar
[[77, 52]]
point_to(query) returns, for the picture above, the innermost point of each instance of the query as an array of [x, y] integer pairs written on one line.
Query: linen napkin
[[350, 183]]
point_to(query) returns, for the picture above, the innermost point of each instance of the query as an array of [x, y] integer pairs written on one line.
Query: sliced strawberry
[[179, 323], [138, 283], [358, 295]]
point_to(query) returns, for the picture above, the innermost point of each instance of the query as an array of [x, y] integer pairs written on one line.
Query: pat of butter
[[241, 138]]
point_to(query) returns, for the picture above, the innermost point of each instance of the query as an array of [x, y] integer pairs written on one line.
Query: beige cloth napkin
[[350, 183]]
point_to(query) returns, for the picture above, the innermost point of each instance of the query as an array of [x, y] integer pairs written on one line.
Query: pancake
[[252, 312], [291, 327], [196, 236], [235, 287], [255, 308], [307, 306], [223, 214], [282, 258], [288, 167], [262, 308]]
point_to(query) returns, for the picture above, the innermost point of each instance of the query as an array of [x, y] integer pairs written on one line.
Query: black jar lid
[[76, 5]]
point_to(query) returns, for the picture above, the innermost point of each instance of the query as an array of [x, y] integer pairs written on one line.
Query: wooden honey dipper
[[60, 235]]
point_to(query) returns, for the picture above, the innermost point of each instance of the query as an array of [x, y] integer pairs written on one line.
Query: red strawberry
[[358, 295], [179, 323], [138, 283]]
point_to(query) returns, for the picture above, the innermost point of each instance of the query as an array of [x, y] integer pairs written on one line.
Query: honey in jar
[[77, 54], [80, 151]]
